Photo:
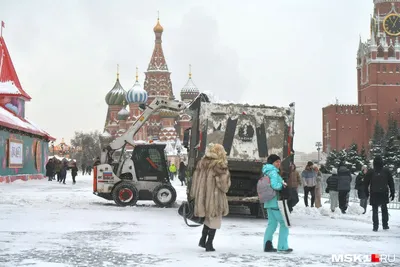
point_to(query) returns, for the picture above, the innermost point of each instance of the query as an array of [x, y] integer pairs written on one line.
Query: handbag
[[186, 210]]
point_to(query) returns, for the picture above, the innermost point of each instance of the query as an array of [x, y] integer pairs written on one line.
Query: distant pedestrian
[[309, 178], [360, 187], [172, 171], [74, 172], [182, 173], [332, 189], [63, 171], [294, 182], [83, 166], [318, 187], [378, 182], [50, 169], [344, 186]]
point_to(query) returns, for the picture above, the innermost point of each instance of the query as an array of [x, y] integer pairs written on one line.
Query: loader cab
[[150, 163]]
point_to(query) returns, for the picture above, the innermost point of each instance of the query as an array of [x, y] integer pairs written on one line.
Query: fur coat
[[211, 182]]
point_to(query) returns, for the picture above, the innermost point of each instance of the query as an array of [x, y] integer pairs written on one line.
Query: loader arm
[[128, 136]]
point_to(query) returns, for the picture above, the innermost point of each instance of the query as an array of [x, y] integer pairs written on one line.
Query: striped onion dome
[[136, 94]]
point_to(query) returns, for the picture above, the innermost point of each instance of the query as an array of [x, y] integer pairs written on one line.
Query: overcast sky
[[260, 51]]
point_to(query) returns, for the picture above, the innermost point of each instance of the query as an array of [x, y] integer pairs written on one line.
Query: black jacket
[[332, 182], [344, 180], [377, 198], [360, 187]]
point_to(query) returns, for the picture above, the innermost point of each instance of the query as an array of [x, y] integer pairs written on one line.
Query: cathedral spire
[[137, 74], [158, 78], [117, 71]]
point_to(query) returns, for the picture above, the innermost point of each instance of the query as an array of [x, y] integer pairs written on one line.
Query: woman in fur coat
[[318, 188], [211, 182]]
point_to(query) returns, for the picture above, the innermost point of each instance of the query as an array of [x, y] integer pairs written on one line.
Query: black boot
[[268, 247], [209, 243], [202, 242], [385, 227]]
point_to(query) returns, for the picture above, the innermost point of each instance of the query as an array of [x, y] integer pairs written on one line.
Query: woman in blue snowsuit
[[274, 215]]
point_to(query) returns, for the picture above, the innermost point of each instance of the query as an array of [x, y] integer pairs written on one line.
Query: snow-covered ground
[[50, 224]]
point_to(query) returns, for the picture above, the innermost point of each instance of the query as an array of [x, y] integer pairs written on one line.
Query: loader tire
[[164, 195], [125, 194]]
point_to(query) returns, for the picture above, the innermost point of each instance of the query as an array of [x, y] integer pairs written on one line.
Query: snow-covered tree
[[391, 157], [90, 147], [363, 157], [331, 160], [353, 159], [393, 128], [378, 141]]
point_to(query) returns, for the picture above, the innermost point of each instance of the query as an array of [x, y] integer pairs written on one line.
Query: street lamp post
[[318, 145]]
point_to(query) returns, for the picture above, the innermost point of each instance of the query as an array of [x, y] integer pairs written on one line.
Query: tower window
[[384, 68], [395, 100], [397, 68]]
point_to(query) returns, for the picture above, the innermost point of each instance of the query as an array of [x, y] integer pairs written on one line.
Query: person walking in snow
[[74, 172], [50, 169], [332, 189], [57, 169], [344, 186], [182, 173], [360, 187], [294, 182], [318, 187], [83, 166], [63, 171], [211, 181], [309, 178], [377, 183], [172, 171], [271, 169]]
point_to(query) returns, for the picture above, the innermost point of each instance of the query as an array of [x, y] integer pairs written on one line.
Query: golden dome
[[158, 28]]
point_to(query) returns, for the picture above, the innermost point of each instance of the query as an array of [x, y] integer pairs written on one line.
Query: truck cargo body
[[249, 133]]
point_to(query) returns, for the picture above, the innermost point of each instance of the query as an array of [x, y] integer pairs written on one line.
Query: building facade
[[23, 145], [378, 83], [124, 106]]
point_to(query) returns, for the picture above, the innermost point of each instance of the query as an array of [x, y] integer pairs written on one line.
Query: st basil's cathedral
[[124, 106]]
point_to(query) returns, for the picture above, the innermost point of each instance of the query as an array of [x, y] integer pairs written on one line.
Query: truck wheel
[[125, 194], [164, 195]]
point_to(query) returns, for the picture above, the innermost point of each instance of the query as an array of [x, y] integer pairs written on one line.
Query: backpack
[[379, 182], [264, 190]]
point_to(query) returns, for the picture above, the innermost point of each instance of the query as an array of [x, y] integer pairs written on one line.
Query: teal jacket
[[276, 183]]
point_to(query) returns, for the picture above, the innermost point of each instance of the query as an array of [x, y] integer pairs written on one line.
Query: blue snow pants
[[275, 217]]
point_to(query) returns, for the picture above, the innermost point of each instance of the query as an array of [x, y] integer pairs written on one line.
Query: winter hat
[[310, 163], [334, 171], [272, 158]]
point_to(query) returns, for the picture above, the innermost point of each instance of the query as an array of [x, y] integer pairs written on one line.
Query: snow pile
[[355, 209]]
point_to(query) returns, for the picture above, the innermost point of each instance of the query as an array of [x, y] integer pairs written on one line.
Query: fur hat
[[216, 151], [334, 171], [272, 158]]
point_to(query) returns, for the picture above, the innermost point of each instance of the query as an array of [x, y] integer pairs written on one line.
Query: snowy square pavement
[[50, 224]]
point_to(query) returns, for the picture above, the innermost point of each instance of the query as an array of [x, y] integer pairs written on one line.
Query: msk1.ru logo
[[364, 258]]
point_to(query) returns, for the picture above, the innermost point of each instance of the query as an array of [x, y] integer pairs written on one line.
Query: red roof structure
[[8, 73], [10, 87]]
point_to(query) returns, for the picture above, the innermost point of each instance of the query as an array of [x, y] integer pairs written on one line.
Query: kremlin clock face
[[391, 24]]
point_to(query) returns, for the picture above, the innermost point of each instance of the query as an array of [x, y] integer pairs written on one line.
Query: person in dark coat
[[57, 169], [378, 182], [332, 189], [74, 172], [83, 166], [182, 173], [63, 172], [97, 162], [344, 186], [50, 169], [361, 188]]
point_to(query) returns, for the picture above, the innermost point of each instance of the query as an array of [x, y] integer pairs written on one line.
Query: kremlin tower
[[165, 125]]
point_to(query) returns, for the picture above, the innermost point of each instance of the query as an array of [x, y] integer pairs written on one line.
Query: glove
[[327, 190], [392, 196]]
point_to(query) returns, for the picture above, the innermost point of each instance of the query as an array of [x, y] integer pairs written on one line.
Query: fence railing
[[353, 197]]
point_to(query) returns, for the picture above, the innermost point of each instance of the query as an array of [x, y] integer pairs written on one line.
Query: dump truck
[[249, 133]]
